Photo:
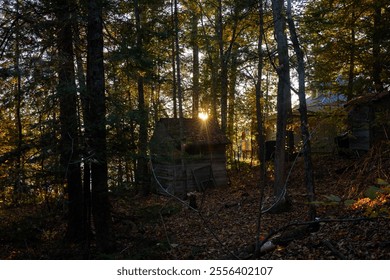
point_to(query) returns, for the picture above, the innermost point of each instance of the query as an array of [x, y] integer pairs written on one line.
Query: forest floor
[[353, 205]]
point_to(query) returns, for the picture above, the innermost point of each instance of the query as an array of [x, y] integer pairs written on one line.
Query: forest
[[194, 129]]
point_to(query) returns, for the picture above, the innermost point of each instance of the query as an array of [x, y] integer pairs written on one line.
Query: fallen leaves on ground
[[224, 225]]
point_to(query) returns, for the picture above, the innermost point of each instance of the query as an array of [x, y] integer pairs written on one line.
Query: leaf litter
[[352, 196]]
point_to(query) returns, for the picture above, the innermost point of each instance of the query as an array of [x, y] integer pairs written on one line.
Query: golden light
[[203, 116]]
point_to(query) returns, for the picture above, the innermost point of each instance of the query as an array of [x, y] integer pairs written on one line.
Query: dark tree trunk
[[376, 46], [195, 67], [232, 90], [87, 124], [309, 177], [351, 72], [214, 88], [19, 180], [174, 82], [260, 123], [223, 68], [67, 92], [282, 100], [259, 96], [179, 92], [178, 66], [97, 131], [142, 166], [232, 97]]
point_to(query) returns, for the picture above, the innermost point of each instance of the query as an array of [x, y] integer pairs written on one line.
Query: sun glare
[[203, 116]]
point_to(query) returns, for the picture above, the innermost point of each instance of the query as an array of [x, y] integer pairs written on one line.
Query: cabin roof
[[323, 101], [368, 98], [195, 131]]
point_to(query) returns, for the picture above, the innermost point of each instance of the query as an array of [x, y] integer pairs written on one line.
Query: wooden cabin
[[368, 120], [191, 160], [324, 112], [326, 120]]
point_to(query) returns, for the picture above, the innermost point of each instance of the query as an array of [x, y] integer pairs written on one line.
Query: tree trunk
[[282, 102], [179, 95], [351, 73], [67, 92], [97, 111], [19, 180], [86, 171], [260, 123], [214, 88], [376, 47], [85, 151], [309, 177], [174, 82], [232, 97], [142, 166], [178, 66], [259, 97], [223, 68], [195, 67]]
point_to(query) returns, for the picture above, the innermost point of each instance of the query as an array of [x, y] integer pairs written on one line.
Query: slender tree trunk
[[142, 166], [259, 97], [67, 92], [19, 180], [223, 68], [376, 46], [267, 86], [282, 100], [260, 123], [232, 97], [232, 89], [309, 177], [174, 82], [213, 101], [180, 97], [133, 166], [214, 89], [97, 111], [178, 66], [195, 67], [155, 103], [351, 73]]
